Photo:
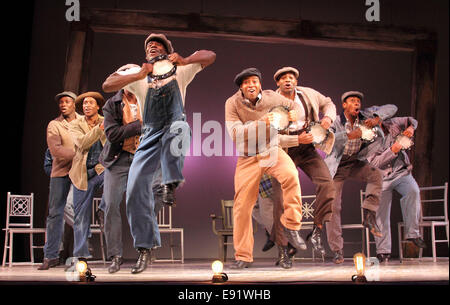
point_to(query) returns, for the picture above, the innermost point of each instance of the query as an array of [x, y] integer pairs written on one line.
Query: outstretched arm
[[203, 57], [117, 80]]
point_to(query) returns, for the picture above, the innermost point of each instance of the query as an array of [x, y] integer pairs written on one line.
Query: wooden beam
[[358, 36]]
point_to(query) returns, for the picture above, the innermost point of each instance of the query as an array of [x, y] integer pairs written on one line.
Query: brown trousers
[[306, 157], [246, 182], [352, 168]]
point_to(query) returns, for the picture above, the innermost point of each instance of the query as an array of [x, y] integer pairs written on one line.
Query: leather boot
[[316, 240], [115, 265], [371, 222], [269, 243], [284, 260], [295, 239], [49, 263], [141, 264], [168, 194]]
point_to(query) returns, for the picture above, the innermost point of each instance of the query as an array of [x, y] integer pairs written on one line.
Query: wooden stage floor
[[263, 271]]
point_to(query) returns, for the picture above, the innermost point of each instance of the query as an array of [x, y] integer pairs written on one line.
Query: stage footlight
[[84, 272], [219, 276], [360, 264]]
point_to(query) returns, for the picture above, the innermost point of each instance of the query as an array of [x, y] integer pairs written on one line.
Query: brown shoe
[[338, 257], [49, 263]]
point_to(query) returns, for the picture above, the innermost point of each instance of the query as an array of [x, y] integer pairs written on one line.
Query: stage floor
[[263, 271]]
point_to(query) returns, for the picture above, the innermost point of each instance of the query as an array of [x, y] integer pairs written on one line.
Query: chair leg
[[433, 242], [10, 248], [171, 245], [225, 248], [31, 249], [102, 247], [400, 243], [5, 247], [182, 245], [221, 248]]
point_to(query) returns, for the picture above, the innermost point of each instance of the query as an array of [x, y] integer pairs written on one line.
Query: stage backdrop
[[384, 77]]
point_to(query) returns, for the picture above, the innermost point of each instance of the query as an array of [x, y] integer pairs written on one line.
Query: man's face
[[352, 105], [155, 48], [251, 87], [66, 105], [287, 83], [90, 107]]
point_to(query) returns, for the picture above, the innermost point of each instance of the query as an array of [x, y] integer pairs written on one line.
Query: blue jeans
[[407, 187], [59, 189], [115, 184], [82, 205], [164, 141]]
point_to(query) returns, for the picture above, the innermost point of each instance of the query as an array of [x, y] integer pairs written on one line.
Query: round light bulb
[[81, 267], [217, 266]]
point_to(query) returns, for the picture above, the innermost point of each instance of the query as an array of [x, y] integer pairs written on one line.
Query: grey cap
[[285, 70], [65, 93], [160, 38], [351, 93], [246, 73]]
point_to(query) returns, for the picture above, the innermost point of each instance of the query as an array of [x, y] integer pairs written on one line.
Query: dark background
[[36, 43]]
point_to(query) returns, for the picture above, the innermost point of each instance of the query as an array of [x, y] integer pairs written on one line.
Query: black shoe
[[100, 216], [419, 242], [240, 265], [115, 265], [168, 194], [295, 239], [141, 264], [371, 223], [49, 263], [284, 260], [316, 240], [338, 257], [269, 243], [383, 257], [291, 250]]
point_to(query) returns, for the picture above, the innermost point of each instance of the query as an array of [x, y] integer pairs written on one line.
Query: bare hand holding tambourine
[[164, 66], [404, 140]]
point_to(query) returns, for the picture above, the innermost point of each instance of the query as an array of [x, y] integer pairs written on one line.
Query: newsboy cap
[[65, 93], [352, 93], [284, 70], [97, 96], [246, 73], [160, 38]]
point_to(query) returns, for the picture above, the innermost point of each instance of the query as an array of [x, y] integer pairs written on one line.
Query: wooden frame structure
[[422, 44]]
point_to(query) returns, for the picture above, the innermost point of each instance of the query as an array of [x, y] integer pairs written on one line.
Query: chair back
[[227, 213], [431, 196], [164, 217], [308, 202], [95, 203], [19, 211]]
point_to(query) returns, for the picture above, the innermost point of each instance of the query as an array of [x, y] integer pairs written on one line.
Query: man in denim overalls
[[165, 136]]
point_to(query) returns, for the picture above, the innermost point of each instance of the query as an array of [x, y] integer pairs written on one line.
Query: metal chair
[[19, 219], [432, 221], [365, 246], [165, 226], [227, 227], [308, 202], [96, 228]]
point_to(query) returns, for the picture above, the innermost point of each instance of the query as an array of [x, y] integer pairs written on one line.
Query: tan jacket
[[60, 144], [84, 138]]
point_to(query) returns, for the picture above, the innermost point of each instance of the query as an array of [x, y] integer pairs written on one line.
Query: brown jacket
[[242, 117], [60, 144], [84, 138]]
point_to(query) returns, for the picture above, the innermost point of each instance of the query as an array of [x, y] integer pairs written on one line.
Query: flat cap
[[160, 38], [65, 93], [246, 73], [352, 93], [284, 70]]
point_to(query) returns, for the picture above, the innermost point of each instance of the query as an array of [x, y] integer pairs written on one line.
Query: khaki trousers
[[246, 182]]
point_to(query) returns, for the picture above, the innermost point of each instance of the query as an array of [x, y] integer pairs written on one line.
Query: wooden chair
[[96, 228], [19, 219], [165, 226], [227, 227]]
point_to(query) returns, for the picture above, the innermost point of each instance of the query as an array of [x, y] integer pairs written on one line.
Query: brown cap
[[284, 70], [97, 96], [65, 93], [160, 38], [351, 93], [246, 73]]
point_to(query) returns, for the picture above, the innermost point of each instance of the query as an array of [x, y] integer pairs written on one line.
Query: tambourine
[[162, 67], [404, 141], [368, 134], [281, 120], [319, 133]]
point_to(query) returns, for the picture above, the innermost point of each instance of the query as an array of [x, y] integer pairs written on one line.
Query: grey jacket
[[383, 157], [338, 127]]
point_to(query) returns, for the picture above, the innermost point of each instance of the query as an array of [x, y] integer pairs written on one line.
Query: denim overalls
[[164, 129]]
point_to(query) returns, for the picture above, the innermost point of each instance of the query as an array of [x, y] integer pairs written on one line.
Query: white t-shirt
[[184, 75]]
